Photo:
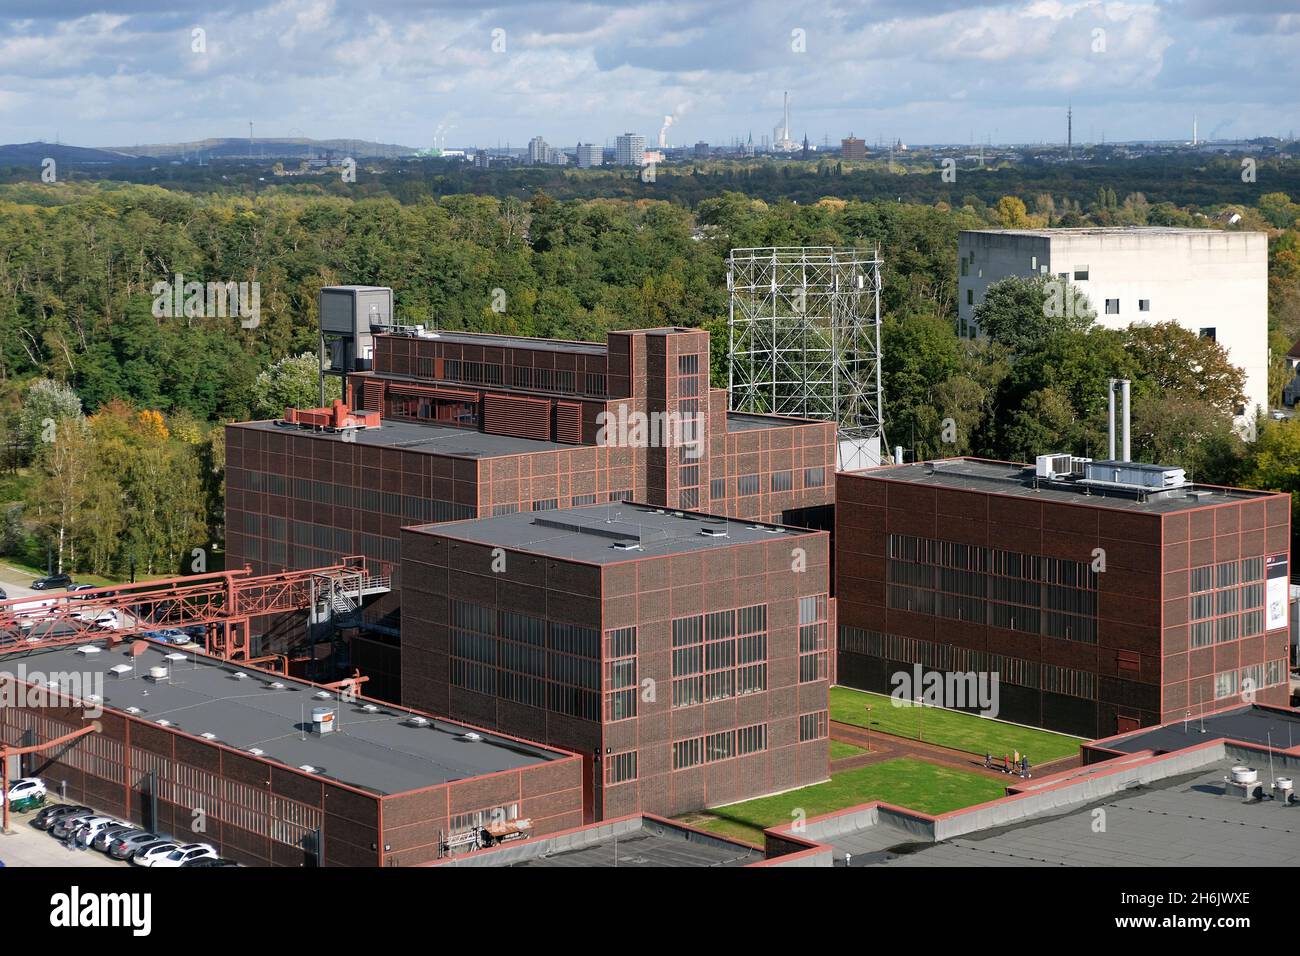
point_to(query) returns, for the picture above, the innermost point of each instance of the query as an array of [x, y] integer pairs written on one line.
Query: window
[[965, 266], [751, 740], [583, 500], [812, 726], [688, 753], [718, 488], [620, 496], [720, 746], [782, 480], [1080, 273], [814, 477], [812, 638], [1225, 684], [1033, 263], [1112, 306], [620, 768], [1144, 305], [970, 296], [1209, 334], [719, 655], [747, 485], [546, 504], [620, 674]]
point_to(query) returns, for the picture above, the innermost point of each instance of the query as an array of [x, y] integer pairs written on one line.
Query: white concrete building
[[629, 149], [1212, 282], [590, 155]]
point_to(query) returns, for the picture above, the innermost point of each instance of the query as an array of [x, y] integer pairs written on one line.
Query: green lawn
[[904, 782], [25, 570], [949, 728], [840, 750]]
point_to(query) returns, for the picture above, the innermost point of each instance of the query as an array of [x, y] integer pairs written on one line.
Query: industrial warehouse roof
[[598, 534], [425, 437], [744, 422], [378, 751], [1253, 725], [1186, 820], [974, 474]]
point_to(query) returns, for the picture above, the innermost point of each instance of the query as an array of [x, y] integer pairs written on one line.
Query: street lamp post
[[920, 713]]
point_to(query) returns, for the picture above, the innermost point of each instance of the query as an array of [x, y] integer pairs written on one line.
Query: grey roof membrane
[[971, 474], [379, 752], [515, 342], [1254, 725], [1181, 821], [430, 438], [745, 422], [592, 534], [647, 847]]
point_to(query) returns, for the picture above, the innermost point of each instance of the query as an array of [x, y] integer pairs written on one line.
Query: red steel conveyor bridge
[[223, 602]]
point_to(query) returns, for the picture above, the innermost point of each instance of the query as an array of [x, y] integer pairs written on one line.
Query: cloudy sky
[[100, 73]]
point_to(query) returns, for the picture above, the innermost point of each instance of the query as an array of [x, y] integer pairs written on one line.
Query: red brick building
[[480, 425], [1100, 607], [684, 656]]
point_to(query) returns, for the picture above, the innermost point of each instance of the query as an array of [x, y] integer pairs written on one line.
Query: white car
[[101, 618], [157, 851], [25, 793], [181, 855]]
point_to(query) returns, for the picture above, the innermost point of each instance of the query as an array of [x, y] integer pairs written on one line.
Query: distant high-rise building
[[701, 150], [590, 155], [629, 149], [540, 153], [481, 159], [853, 148]]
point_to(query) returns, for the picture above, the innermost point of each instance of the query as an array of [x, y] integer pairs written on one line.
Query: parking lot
[[28, 846]]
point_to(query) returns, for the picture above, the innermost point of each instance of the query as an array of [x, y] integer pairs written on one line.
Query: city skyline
[[942, 71]]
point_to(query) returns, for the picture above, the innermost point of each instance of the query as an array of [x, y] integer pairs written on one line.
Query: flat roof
[[591, 534], [745, 421], [427, 437], [1249, 724], [509, 342], [1185, 820], [637, 841], [975, 474], [379, 751], [1109, 231]]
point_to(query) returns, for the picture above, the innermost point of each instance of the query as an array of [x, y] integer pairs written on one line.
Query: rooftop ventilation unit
[[323, 695], [157, 673], [208, 735], [626, 545], [415, 720], [88, 649], [714, 532], [120, 670], [175, 657], [256, 751], [164, 723], [134, 710], [470, 735], [276, 685], [307, 768], [370, 708], [322, 720], [239, 675], [1136, 474]]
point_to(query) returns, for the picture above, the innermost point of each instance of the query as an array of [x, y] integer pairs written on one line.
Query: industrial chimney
[[1123, 384]]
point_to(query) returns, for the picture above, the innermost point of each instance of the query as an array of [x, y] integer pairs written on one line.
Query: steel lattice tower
[[804, 340]]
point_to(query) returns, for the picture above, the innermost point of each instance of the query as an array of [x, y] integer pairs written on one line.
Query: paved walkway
[[28, 846], [887, 746]]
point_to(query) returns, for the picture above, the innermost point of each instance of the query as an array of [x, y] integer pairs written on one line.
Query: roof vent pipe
[[1124, 384], [1110, 428]]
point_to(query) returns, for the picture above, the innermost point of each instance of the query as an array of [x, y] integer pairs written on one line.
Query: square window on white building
[[1080, 273], [1112, 306], [1144, 305]]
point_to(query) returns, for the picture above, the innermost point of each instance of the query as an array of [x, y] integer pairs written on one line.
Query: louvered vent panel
[[520, 417], [568, 422]]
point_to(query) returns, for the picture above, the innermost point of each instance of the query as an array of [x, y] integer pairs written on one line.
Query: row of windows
[[949, 658], [724, 745], [620, 674], [1250, 679], [719, 655], [1226, 574], [412, 507], [1009, 564]]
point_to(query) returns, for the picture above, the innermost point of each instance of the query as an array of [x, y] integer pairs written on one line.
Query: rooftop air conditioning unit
[[1054, 466], [470, 735], [157, 673], [415, 720], [88, 649], [120, 670], [276, 685]]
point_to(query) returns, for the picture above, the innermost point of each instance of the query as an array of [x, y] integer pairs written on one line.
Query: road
[[16, 583]]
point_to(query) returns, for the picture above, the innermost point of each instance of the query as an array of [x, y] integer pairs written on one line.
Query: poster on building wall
[[1278, 591]]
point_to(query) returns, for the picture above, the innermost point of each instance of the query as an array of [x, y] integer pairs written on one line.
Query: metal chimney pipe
[[1110, 430], [898, 454], [1124, 384]]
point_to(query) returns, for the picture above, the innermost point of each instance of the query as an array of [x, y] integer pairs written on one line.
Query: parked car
[[145, 855], [53, 814], [81, 587], [123, 846], [3, 596], [104, 839], [26, 794], [86, 833], [169, 636], [97, 616], [52, 582], [181, 855], [210, 861], [68, 825]]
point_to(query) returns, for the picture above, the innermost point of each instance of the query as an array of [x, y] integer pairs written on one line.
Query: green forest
[[130, 474]]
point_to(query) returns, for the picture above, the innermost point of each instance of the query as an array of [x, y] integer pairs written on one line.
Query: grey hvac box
[[353, 309]]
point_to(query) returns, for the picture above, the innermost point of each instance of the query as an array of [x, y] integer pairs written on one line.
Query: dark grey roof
[[430, 438], [591, 534], [743, 421], [972, 474], [1252, 725], [1178, 821], [380, 752], [515, 342], [635, 841]]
